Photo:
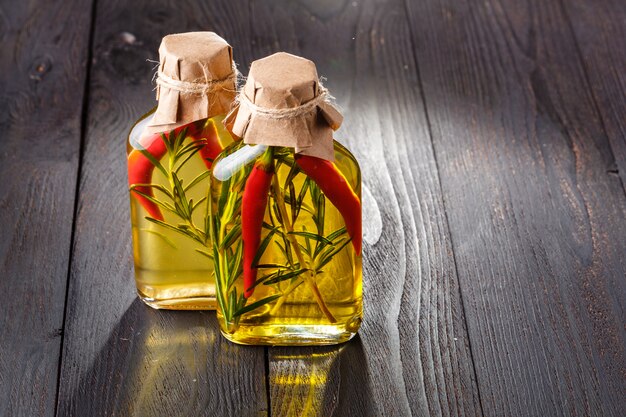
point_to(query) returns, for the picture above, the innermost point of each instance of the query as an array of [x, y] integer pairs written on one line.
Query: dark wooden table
[[492, 138]]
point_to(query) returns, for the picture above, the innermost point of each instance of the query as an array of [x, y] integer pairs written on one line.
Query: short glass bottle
[[170, 153], [295, 220], [169, 177]]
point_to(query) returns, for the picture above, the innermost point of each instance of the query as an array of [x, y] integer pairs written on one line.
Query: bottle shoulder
[[240, 156], [137, 129], [246, 154], [212, 128], [343, 151], [348, 166], [343, 156]]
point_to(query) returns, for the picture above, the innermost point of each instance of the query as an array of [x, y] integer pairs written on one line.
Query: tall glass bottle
[[170, 153], [286, 220]]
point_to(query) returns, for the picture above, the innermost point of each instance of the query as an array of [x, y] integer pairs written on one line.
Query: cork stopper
[[196, 79], [284, 104]]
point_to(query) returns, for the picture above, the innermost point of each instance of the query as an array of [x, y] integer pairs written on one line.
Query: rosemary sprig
[[175, 200], [308, 277], [305, 252]]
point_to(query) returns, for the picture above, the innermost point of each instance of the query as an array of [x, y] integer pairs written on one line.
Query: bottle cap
[[284, 104], [196, 79]]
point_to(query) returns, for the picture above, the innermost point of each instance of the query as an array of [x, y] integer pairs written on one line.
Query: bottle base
[[187, 303], [292, 335]]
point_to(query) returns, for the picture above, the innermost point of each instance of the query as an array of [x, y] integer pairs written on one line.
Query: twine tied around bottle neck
[[200, 86], [284, 104], [323, 96]]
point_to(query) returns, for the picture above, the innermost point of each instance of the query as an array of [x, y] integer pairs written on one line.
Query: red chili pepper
[[212, 147], [253, 205], [140, 172], [334, 185], [140, 168]]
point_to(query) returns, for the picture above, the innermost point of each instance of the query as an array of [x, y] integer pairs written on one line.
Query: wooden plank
[[601, 36], [537, 223], [412, 356], [120, 357], [42, 62]]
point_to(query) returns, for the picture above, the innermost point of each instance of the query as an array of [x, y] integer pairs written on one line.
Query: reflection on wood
[[320, 381], [164, 363]]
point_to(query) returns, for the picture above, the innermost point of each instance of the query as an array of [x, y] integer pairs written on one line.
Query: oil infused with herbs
[[170, 154], [286, 214]]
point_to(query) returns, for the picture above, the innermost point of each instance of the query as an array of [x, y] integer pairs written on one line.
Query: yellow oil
[[170, 270], [295, 318]]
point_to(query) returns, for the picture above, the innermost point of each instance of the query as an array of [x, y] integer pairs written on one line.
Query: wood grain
[[42, 67], [120, 357], [537, 223], [600, 33], [491, 136], [412, 357]]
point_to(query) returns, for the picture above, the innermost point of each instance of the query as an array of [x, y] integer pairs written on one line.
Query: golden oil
[[287, 311], [172, 267]]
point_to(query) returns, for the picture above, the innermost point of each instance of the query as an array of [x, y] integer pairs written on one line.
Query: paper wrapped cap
[[283, 104], [196, 79]]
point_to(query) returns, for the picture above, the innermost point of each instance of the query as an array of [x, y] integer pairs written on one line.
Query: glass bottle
[[168, 170], [286, 230], [308, 288]]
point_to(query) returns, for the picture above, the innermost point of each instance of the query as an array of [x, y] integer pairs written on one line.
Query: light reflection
[[168, 368], [166, 363], [176, 363], [303, 381]]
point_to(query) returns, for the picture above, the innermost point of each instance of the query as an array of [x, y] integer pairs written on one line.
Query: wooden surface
[[492, 139], [43, 67]]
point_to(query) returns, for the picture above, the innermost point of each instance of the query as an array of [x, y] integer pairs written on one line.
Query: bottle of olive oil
[[170, 154], [285, 208]]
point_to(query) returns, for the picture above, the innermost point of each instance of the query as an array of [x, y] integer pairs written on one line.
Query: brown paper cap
[[193, 57], [285, 81]]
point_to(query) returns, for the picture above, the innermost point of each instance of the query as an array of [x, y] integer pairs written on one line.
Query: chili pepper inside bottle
[[286, 214], [170, 154]]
